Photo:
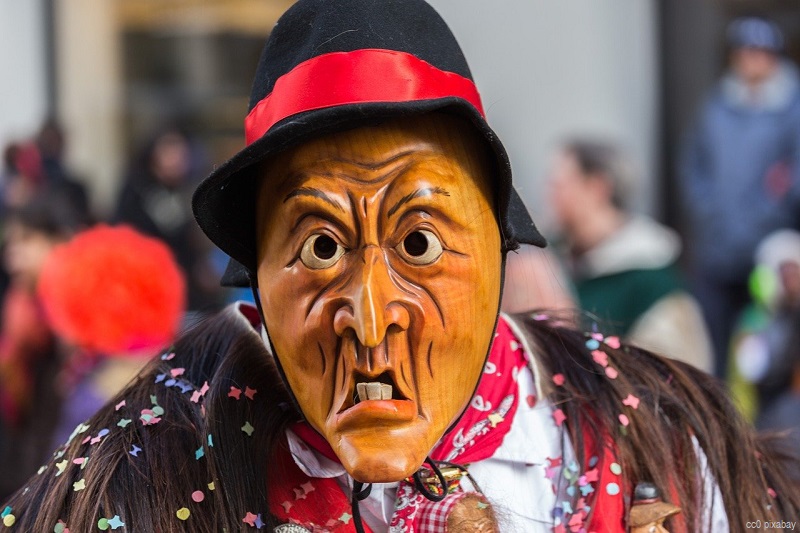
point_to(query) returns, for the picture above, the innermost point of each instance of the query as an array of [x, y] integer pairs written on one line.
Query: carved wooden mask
[[379, 270]]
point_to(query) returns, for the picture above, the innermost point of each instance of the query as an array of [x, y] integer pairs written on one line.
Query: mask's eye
[[320, 251], [420, 247]]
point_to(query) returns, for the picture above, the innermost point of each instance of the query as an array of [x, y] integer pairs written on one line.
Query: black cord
[[360, 492], [424, 490]]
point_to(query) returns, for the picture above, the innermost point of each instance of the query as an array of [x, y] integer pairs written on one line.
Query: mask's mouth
[[375, 400], [381, 387]]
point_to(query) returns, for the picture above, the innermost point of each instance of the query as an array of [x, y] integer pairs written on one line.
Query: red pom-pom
[[112, 290]]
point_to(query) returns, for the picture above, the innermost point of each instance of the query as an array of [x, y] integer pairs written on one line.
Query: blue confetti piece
[[593, 461], [135, 451], [170, 382], [210, 441], [567, 507], [103, 432], [593, 344], [199, 453], [571, 490], [160, 378], [185, 387], [6, 511], [573, 466], [586, 489]]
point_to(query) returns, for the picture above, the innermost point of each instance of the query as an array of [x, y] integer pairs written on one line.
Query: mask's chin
[[392, 455]]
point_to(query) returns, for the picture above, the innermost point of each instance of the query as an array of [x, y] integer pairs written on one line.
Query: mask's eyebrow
[[314, 193], [425, 191]]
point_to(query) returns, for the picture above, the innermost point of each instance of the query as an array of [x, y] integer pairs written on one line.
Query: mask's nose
[[374, 302]]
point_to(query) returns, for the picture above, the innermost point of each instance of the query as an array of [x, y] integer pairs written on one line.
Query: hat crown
[[311, 28], [755, 32]]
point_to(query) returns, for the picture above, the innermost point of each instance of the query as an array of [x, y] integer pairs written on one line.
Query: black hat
[[331, 65]]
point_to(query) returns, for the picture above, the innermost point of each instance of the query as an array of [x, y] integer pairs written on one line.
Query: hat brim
[[224, 204]]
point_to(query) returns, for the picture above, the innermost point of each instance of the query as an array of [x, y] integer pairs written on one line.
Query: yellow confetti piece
[[183, 513], [211, 486], [9, 520], [79, 485]]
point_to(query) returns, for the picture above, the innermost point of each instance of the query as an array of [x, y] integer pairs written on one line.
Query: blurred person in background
[[156, 199], [51, 141], [738, 174], [535, 280], [623, 265], [28, 355], [766, 345], [88, 288]]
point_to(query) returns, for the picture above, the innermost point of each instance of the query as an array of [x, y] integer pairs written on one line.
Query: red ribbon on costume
[[358, 77]]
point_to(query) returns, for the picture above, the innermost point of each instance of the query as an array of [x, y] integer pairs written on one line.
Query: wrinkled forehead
[[395, 154]]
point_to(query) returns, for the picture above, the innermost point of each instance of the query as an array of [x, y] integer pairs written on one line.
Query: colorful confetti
[[183, 513], [102, 524], [250, 392], [135, 451], [168, 356], [611, 372], [60, 527], [250, 519], [558, 379], [235, 393], [613, 342], [115, 522], [600, 357], [9, 520], [592, 344], [247, 428], [79, 485], [175, 372], [631, 401], [559, 417], [198, 496], [124, 422], [624, 420], [211, 486], [198, 453], [119, 406]]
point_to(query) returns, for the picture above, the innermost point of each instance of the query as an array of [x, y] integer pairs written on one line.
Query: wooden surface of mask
[[379, 271]]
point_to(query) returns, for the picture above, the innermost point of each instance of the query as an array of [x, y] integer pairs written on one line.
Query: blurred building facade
[[633, 71]]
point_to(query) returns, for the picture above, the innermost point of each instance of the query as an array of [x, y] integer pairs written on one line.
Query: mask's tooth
[[361, 391], [386, 392], [374, 390]]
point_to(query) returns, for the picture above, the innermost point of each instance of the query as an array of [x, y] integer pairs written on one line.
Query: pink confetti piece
[[623, 419], [119, 406], [168, 356], [559, 417], [78, 461], [631, 401], [250, 519], [611, 372], [195, 396], [772, 492], [600, 357], [198, 496], [613, 342], [250, 392], [558, 379], [597, 336], [175, 372], [592, 475], [235, 393], [541, 316]]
